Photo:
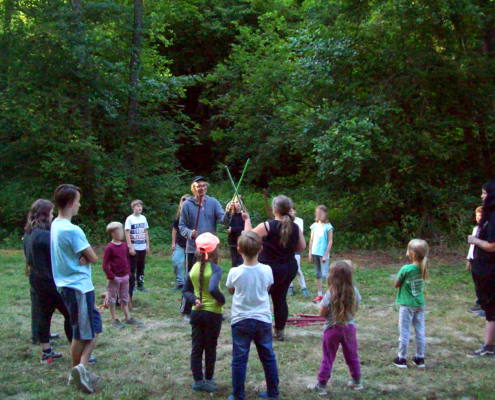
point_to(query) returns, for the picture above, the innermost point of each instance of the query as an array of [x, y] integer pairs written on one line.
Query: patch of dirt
[[371, 259], [387, 387]]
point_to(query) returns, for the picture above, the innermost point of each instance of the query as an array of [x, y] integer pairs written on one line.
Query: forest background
[[381, 109]]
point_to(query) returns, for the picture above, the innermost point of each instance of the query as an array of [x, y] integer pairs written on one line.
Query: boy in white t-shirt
[[251, 317], [136, 234]]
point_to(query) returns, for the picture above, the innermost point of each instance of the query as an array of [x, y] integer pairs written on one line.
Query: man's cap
[[198, 178]]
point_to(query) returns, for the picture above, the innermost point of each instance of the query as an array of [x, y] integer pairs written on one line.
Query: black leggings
[[283, 275], [235, 257], [206, 327], [46, 299]]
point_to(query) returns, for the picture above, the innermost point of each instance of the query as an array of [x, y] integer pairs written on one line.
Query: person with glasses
[[179, 243], [199, 214]]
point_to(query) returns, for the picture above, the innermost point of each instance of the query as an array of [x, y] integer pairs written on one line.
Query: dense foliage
[[383, 110]]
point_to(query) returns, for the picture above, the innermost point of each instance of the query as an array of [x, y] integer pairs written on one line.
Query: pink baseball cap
[[206, 243]]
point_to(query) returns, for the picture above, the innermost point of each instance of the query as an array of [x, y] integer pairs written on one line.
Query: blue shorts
[[84, 317]]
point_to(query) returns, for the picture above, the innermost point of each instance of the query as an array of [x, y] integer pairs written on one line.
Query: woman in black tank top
[[282, 238]]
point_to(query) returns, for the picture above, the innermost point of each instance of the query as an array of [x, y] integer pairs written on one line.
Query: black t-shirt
[[37, 252], [484, 262], [273, 252], [236, 228], [180, 240]]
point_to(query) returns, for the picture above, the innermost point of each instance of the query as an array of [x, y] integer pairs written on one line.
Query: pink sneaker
[[317, 299]]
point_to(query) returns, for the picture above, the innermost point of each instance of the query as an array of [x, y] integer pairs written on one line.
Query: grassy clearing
[[153, 362]]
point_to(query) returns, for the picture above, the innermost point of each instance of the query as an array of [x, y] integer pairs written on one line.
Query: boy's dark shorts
[[84, 317]]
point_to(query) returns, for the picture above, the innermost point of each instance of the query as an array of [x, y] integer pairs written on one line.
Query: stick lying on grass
[[306, 320]]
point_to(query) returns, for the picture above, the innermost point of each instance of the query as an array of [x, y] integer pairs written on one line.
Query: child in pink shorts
[[117, 269]]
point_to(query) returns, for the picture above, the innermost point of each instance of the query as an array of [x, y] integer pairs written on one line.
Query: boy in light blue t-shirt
[[71, 256]]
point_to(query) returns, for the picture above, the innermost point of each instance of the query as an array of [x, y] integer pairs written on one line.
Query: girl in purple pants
[[338, 306]]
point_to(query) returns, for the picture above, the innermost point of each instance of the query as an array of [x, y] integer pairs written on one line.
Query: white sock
[[320, 293]]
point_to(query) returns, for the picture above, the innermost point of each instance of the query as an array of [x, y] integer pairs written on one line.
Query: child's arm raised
[[260, 230]]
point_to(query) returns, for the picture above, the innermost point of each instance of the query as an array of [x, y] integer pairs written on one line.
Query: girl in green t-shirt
[[410, 297]]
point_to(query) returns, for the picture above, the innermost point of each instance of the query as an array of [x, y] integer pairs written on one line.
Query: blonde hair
[[249, 244], [136, 202], [284, 206], [179, 208], [239, 199], [343, 302], [420, 249], [113, 226], [193, 186], [479, 210], [323, 208]]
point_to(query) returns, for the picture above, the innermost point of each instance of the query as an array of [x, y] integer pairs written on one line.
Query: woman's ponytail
[[283, 205]]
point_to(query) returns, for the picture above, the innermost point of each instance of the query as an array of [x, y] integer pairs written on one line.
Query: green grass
[[153, 362]]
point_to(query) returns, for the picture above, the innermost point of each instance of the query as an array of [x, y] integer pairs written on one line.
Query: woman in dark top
[[236, 227], [282, 238], [483, 268], [38, 260]]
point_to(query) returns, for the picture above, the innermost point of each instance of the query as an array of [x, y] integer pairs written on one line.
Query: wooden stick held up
[[199, 211]]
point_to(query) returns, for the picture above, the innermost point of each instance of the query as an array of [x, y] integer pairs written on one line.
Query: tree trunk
[[82, 65], [5, 44], [135, 64]]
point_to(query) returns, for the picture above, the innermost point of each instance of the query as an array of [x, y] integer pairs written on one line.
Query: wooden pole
[[199, 211]]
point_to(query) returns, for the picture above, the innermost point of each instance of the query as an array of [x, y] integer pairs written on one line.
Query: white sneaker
[[81, 378], [356, 385], [186, 319]]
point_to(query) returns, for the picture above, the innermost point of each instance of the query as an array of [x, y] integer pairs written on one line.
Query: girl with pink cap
[[202, 291]]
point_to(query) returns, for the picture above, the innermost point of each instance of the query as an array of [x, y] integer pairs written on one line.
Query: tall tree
[[135, 63]]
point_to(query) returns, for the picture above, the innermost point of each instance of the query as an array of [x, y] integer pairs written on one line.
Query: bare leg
[[318, 285], [126, 311], [76, 350], [112, 311], [490, 333], [87, 350]]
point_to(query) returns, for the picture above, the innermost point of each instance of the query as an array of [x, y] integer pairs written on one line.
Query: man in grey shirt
[[210, 213]]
